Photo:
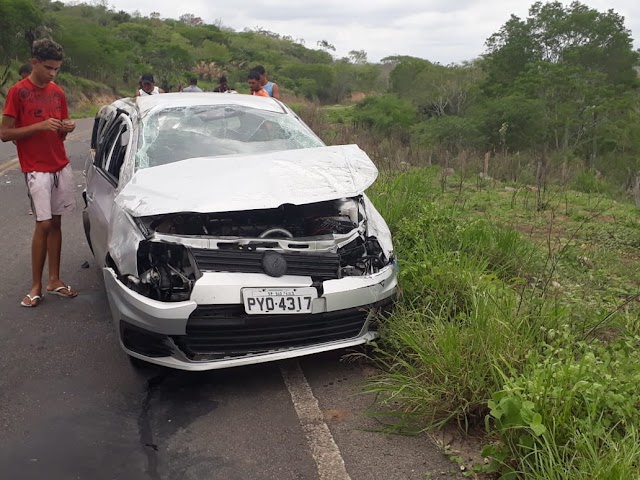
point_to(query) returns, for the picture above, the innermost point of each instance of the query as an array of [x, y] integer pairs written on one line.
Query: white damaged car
[[229, 234]]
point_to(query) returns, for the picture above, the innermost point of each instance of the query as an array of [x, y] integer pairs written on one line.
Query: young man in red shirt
[[36, 118]]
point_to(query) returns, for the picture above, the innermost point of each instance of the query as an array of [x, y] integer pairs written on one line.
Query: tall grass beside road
[[519, 309], [494, 327], [518, 312]]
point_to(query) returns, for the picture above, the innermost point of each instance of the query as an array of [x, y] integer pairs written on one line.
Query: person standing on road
[[272, 88], [36, 116], [253, 79], [193, 86], [25, 71], [148, 86]]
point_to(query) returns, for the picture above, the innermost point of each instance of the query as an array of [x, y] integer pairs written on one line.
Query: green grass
[[84, 111], [339, 114], [518, 308]]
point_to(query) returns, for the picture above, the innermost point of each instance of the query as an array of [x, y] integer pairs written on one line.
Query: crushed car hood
[[249, 182]]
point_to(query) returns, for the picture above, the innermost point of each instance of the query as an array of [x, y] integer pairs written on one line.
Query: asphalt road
[[73, 407]]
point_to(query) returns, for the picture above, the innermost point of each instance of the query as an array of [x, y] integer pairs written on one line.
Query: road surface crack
[[145, 427]]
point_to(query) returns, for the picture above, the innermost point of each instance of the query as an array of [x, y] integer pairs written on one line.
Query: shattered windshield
[[173, 134]]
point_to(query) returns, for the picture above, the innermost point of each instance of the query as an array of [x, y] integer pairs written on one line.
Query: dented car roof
[[169, 100], [249, 182]]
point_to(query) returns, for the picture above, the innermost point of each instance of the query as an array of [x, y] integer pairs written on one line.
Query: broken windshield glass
[[172, 134]]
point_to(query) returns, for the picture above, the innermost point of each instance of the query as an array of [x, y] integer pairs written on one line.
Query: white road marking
[[325, 452]]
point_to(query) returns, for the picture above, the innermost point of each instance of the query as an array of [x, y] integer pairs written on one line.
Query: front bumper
[[212, 331]]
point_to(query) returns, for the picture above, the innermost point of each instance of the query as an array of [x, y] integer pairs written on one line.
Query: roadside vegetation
[[519, 311], [513, 207], [521, 320], [511, 184]]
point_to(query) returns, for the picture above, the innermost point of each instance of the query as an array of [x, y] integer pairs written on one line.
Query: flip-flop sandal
[[33, 301], [58, 291]]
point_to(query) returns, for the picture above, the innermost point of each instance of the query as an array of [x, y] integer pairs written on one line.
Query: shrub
[[587, 182], [571, 412], [385, 114]]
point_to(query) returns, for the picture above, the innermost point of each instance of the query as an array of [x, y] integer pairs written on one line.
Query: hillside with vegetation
[[511, 184], [113, 48]]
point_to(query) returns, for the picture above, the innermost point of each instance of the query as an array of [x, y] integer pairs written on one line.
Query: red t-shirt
[[29, 104]]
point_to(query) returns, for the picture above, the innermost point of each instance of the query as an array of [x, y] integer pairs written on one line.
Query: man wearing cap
[[148, 86]]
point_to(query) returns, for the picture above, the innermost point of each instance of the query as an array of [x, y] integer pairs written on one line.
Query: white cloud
[[443, 31]]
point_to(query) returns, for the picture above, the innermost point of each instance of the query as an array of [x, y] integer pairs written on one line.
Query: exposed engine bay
[[287, 221], [167, 271]]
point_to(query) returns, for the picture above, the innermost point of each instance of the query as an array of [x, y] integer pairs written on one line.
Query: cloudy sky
[[442, 31]]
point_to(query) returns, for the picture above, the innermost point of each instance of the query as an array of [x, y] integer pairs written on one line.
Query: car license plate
[[276, 301]]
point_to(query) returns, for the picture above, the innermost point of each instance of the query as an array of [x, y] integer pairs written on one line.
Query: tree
[[312, 80], [191, 20], [385, 113], [20, 25], [358, 56], [19, 19], [575, 35], [435, 89], [403, 76], [569, 65], [326, 45]]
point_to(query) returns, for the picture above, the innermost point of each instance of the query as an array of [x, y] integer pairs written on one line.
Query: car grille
[[219, 331], [319, 266]]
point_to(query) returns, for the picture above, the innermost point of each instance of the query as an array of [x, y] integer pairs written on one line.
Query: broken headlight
[[362, 256], [167, 272]]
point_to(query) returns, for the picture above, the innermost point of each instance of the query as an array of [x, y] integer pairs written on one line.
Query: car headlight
[[167, 272], [362, 256]]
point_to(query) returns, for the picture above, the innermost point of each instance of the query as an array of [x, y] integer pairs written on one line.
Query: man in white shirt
[[193, 86]]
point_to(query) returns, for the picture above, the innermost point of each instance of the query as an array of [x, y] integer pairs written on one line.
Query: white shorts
[[51, 193]]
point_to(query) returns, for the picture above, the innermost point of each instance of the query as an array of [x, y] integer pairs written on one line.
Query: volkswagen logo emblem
[[274, 264]]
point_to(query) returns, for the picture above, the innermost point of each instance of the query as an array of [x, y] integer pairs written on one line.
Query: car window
[[105, 143], [102, 120], [111, 149], [173, 134], [117, 154]]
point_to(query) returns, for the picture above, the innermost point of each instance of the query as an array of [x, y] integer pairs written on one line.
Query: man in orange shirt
[[272, 88], [253, 79]]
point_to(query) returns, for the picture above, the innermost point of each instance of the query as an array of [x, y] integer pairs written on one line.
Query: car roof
[[171, 100]]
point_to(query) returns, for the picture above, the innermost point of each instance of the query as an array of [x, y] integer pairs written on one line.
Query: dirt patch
[[463, 448], [358, 97], [335, 415], [80, 101]]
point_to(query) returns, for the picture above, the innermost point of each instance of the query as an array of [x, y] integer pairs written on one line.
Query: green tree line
[[558, 89]]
